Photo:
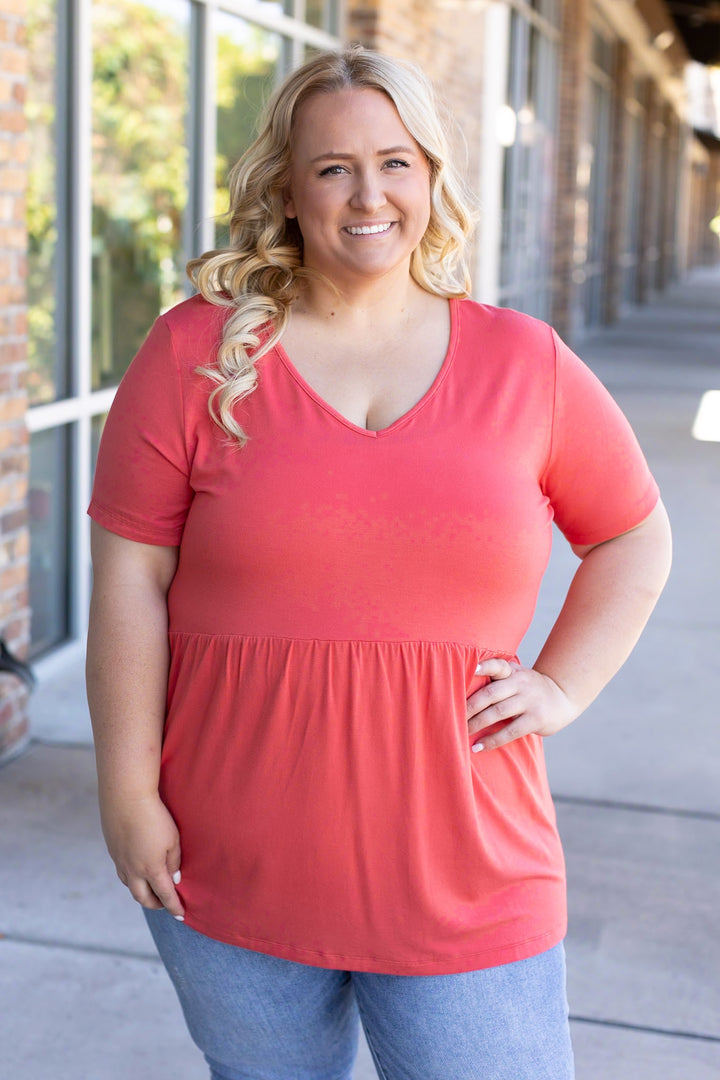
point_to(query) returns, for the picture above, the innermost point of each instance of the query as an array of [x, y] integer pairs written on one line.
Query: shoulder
[[504, 335], [192, 329], [194, 320]]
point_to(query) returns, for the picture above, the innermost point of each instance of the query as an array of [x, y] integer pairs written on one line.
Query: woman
[[310, 586]]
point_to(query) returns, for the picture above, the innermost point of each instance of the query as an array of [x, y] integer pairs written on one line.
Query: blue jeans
[[257, 1017]]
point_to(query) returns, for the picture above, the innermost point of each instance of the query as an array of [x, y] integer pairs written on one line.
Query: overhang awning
[[698, 22]]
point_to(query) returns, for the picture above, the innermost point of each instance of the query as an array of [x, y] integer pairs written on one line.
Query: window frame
[[80, 403]]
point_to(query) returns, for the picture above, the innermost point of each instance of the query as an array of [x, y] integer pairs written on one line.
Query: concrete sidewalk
[[82, 995]]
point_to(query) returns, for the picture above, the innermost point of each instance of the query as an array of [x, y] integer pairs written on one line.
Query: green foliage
[[247, 70], [140, 167]]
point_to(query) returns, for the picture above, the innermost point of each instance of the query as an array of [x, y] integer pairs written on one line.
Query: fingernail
[[477, 669], [177, 877], [180, 918], [477, 747]]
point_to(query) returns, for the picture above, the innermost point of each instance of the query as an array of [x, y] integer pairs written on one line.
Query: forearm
[[127, 670], [127, 661], [608, 604]]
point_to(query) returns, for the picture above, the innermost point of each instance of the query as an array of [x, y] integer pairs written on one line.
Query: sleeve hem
[[132, 529], [631, 520]]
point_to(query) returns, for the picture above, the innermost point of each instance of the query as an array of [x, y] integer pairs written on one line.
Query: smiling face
[[359, 186]]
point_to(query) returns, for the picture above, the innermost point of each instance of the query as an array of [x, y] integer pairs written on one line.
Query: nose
[[368, 194]]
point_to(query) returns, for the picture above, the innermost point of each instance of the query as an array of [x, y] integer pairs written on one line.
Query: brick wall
[[14, 453]]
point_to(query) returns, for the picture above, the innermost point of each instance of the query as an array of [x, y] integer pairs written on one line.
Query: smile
[[368, 230]]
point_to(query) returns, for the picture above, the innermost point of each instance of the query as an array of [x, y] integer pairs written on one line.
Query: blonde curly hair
[[261, 273]]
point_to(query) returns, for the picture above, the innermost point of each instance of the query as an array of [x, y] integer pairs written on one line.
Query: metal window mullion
[[337, 16], [496, 36], [297, 49], [528, 13], [79, 168], [63, 198], [202, 127]]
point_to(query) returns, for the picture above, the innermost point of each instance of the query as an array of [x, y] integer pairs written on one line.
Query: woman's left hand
[[524, 700]]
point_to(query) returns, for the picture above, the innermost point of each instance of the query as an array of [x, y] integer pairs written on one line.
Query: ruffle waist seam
[[345, 641]]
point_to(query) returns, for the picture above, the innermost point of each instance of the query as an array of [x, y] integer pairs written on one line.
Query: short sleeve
[[597, 479], [141, 489]]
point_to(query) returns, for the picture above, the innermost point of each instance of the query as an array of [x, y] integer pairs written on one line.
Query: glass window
[[549, 9], [144, 74], [140, 173], [48, 500], [603, 51], [631, 231], [248, 68], [528, 170], [322, 14], [590, 246], [47, 374]]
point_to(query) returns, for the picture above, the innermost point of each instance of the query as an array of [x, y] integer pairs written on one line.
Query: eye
[[332, 170], [397, 163]]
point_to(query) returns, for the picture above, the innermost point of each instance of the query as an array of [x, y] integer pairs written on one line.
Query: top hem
[[483, 958]]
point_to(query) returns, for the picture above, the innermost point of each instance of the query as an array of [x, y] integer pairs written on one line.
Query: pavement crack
[[76, 946], [672, 1033], [638, 808]]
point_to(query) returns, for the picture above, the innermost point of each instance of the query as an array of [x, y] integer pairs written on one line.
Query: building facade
[[119, 120]]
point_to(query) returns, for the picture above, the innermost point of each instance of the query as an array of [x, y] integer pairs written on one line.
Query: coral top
[[335, 591]]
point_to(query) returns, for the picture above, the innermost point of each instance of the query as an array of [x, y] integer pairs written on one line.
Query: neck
[[380, 300]]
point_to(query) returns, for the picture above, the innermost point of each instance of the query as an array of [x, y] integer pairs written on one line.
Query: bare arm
[[608, 603], [127, 670]]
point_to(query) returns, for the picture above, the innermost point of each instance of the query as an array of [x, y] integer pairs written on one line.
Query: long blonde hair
[[260, 274]]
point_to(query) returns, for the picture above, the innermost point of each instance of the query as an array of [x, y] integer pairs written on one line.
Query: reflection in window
[[140, 173], [322, 14], [528, 170], [248, 69], [48, 500], [46, 375]]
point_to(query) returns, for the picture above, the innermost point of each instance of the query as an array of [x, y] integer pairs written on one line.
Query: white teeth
[[367, 230]]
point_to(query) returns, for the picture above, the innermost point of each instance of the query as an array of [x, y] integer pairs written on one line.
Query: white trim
[[68, 411], [81, 170], [297, 49], [206, 133], [281, 24], [79, 540], [496, 45]]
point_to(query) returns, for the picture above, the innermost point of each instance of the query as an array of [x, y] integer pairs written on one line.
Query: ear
[[288, 204]]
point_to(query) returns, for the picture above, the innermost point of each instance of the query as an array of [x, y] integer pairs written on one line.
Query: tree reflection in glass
[[248, 67], [139, 173], [46, 372]]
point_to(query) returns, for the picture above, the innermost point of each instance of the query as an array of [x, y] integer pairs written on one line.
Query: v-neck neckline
[[406, 416]]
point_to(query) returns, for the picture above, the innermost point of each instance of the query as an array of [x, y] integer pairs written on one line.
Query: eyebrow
[[338, 155]]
